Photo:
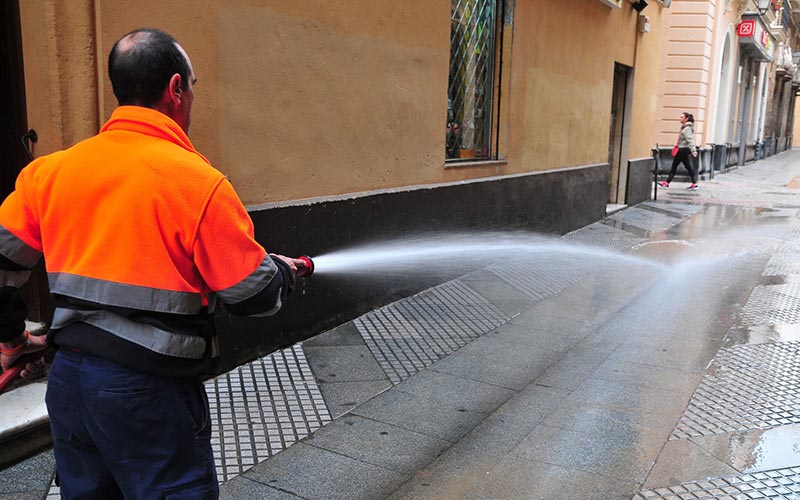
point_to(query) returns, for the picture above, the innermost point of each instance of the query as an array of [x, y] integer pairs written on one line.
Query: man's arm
[[14, 340], [235, 266], [20, 250]]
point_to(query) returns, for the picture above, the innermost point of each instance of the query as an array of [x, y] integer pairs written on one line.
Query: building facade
[[345, 122], [731, 63]]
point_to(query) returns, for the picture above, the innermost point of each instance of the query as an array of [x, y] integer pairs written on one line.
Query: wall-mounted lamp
[[763, 6], [639, 5]]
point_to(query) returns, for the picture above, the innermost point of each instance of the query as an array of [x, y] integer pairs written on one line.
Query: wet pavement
[[652, 355]]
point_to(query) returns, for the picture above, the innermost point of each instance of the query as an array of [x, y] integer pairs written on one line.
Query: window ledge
[[475, 163]]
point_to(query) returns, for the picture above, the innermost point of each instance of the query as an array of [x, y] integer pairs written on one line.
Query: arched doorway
[[724, 88]]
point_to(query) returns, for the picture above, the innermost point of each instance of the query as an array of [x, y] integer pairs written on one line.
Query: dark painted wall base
[[552, 202], [640, 181]]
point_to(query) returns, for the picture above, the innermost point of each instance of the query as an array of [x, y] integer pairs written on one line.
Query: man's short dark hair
[[140, 73]]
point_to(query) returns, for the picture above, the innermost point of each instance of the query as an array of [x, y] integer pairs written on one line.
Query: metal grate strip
[[604, 236], [414, 333], [756, 386], [777, 483], [541, 278], [773, 305]]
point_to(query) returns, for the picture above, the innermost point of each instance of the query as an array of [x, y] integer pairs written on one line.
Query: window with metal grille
[[473, 35]]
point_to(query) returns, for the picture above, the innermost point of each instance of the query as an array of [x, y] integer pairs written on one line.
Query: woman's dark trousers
[[684, 156]]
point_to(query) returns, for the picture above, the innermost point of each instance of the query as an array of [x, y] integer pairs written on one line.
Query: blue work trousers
[[119, 433]]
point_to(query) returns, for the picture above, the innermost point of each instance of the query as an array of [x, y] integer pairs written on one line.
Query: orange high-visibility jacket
[[139, 233]]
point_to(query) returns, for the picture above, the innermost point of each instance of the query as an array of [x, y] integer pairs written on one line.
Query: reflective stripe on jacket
[[138, 230]]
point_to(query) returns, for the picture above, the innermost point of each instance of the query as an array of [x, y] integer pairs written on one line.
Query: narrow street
[[651, 355], [587, 376]]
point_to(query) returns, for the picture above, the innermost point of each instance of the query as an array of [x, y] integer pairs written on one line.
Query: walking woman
[[685, 152]]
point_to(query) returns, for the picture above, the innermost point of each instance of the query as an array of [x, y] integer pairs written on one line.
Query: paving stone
[[683, 461], [500, 293], [575, 367], [455, 392], [621, 452], [549, 315], [519, 479], [341, 397], [316, 474], [494, 360], [380, 444], [512, 422], [436, 417], [533, 337], [673, 379], [346, 334], [30, 476], [242, 488], [457, 469], [629, 397], [31, 495], [597, 419], [343, 364], [691, 358]]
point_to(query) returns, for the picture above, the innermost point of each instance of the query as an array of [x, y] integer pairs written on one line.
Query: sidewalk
[[655, 357]]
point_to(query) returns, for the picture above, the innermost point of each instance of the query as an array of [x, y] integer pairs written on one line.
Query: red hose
[[12, 373]]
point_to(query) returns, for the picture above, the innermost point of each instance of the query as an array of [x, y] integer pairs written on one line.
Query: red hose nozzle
[[307, 268]]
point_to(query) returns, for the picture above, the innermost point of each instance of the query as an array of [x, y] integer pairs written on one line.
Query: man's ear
[[174, 89]]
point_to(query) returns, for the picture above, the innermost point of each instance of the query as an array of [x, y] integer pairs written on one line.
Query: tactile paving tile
[[262, 408], [756, 386], [781, 484], [773, 305], [785, 261], [408, 335], [683, 209], [794, 233], [604, 236], [259, 409], [648, 220], [542, 277]]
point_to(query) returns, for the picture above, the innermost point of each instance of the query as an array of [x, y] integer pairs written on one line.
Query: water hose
[[14, 370]]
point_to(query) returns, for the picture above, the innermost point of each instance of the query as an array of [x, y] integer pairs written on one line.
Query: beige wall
[[690, 53], [562, 76], [303, 99], [60, 71]]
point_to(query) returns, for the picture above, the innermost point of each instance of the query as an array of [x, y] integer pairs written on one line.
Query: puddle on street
[[761, 450]]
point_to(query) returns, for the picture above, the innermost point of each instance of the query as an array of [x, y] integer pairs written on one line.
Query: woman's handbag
[[675, 151]]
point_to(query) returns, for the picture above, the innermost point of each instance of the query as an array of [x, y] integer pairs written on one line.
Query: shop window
[[471, 103]]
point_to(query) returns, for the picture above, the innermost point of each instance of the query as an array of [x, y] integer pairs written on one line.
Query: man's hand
[[292, 263], [11, 351]]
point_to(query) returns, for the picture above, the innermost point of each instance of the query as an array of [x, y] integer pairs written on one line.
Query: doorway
[[12, 98], [619, 133], [14, 149]]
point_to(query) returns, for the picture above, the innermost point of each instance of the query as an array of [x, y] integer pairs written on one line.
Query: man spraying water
[[139, 232]]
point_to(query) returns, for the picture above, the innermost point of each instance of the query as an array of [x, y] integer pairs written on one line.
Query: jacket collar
[[149, 122]]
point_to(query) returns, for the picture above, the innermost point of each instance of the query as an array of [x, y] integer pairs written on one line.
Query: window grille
[[471, 84]]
